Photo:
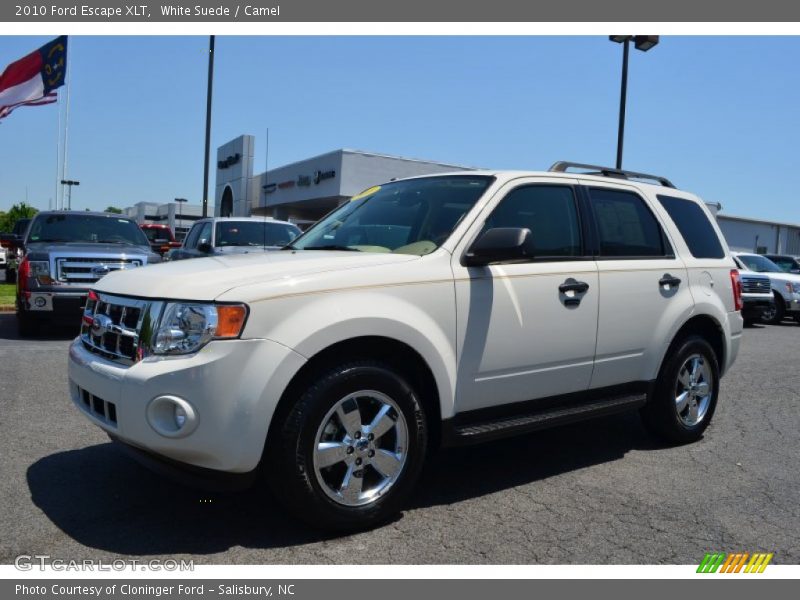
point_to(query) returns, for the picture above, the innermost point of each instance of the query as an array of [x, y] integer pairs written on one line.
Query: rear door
[[644, 287]]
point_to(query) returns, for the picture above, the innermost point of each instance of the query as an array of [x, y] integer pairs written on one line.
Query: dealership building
[[179, 216], [302, 192]]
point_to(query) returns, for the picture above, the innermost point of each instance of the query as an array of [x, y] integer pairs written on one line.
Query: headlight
[[185, 328], [39, 268]]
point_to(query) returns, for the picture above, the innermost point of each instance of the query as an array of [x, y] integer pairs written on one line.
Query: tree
[[114, 210], [14, 214]]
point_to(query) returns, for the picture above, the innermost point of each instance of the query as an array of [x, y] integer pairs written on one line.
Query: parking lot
[[595, 492]]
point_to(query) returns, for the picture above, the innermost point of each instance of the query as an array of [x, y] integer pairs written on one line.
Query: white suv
[[438, 310]]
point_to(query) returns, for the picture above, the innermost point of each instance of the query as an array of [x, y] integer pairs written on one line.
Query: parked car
[[3, 258], [66, 253], [160, 237], [787, 263], [785, 286], [439, 310], [234, 235], [758, 302], [13, 242]]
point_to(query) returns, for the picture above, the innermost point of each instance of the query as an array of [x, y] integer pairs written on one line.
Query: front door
[[527, 330]]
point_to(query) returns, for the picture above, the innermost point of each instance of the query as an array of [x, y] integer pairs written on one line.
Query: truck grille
[[101, 409], [752, 285], [112, 326], [89, 270]]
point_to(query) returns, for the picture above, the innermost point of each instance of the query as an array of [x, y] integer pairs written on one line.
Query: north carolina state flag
[[32, 80]]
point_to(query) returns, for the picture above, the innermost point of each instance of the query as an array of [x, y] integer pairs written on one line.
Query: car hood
[[79, 248], [207, 278]]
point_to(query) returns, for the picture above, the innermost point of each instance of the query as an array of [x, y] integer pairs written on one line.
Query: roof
[[752, 220], [90, 213]]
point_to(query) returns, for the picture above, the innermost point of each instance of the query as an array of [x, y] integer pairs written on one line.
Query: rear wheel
[[685, 393], [348, 453]]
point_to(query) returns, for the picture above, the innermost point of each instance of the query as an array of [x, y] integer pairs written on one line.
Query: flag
[[33, 79]]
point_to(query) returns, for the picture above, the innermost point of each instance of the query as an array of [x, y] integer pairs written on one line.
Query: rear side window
[[692, 221], [625, 226], [550, 213]]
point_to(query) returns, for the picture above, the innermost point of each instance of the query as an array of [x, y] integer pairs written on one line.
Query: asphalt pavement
[[594, 492]]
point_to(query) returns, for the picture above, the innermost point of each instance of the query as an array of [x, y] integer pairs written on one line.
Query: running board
[[471, 433]]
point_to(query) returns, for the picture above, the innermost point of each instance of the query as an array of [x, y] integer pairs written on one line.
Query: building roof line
[[754, 220]]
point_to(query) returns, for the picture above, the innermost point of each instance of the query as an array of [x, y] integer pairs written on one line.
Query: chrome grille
[[89, 270], [118, 328], [751, 285]]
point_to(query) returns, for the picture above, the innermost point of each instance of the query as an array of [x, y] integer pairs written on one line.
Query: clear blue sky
[[717, 115]]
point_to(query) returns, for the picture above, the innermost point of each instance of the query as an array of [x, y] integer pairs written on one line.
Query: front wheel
[[685, 394], [349, 451], [775, 313]]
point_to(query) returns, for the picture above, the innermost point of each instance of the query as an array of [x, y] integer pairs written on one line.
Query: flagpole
[[58, 148], [66, 129]]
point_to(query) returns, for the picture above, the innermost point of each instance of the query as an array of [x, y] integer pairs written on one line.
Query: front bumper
[[231, 386], [53, 305], [791, 303], [754, 306]]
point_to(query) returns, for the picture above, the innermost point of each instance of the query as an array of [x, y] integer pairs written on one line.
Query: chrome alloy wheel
[[693, 390], [360, 448], [768, 314]]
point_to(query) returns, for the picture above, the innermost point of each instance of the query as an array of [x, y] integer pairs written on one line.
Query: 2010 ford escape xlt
[[438, 310]]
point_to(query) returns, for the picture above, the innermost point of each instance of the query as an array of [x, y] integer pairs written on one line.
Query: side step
[[471, 433]]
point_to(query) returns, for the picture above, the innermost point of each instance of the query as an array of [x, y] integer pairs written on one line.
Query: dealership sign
[[229, 162], [320, 176]]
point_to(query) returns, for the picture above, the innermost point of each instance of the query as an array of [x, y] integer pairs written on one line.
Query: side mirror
[[204, 247], [500, 244]]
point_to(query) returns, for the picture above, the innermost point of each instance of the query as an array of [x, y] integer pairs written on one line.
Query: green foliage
[[114, 210], [16, 212]]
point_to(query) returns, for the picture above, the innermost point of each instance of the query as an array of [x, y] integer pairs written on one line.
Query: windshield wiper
[[116, 242], [332, 247]]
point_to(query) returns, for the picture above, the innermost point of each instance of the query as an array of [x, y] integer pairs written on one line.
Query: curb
[[7, 308]]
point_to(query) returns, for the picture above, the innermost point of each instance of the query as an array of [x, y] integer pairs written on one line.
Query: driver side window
[[551, 214], [204, 235]]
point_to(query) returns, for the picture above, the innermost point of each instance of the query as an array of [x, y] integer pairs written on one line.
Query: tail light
[[23, 272], [736, 284]]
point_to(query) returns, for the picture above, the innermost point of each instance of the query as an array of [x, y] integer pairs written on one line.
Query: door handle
[[669, 280], [570, 285]]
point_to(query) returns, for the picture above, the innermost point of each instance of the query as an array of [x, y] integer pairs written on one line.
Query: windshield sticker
[[365, 193]]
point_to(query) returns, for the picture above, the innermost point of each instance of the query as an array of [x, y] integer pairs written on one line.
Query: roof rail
[[562, 167]]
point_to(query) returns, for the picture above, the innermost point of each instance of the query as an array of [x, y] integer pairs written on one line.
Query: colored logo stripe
[[734, 562]]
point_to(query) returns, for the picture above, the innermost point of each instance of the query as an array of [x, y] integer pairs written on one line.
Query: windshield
[[759, 264], [255, 233], [157, 234], [415, 216], [90, 229]]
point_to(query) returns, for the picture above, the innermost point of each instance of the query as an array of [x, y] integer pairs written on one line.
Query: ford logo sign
[[100, 270], [101, 325]]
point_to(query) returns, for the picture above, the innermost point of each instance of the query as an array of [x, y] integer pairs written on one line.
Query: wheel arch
[[707, 327], [395, 353]]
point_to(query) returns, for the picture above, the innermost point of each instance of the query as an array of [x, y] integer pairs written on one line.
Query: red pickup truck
[[160, 237]]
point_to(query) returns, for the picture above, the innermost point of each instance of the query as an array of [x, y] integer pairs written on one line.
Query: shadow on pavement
[[47, 331], [103, 499]]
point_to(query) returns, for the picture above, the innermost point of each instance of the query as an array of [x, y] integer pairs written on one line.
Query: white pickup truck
[[425, 312]]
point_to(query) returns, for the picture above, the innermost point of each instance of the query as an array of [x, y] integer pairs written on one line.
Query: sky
[[719, 116]]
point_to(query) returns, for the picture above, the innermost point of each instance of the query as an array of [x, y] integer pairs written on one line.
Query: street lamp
[[640, 42], [180, 202], [69, 183]]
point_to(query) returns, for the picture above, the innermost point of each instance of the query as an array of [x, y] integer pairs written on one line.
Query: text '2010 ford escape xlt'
[[438, 310]]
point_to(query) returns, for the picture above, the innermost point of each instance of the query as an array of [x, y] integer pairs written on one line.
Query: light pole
[[640, 42], [69, 183], [180, 202]]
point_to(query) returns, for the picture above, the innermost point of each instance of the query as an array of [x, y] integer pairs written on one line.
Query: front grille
[[756, 286], [99, 408], [88, 270], [112, 327]]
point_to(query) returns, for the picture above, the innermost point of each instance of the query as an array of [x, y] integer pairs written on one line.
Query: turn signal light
[[230, 320]]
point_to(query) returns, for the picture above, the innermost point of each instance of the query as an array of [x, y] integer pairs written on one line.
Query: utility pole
[[208, 121]]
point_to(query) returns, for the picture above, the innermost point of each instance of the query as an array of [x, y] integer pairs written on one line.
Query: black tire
[[26, 326], [796, 317], [780, 312], [290, 464], [660, 415]]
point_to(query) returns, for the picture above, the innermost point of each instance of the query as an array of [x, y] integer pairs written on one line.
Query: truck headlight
[[185, 328], [38, 268]]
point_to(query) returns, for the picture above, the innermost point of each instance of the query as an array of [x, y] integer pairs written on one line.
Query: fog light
[[40, 302], [180, 416], [172, 416]]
